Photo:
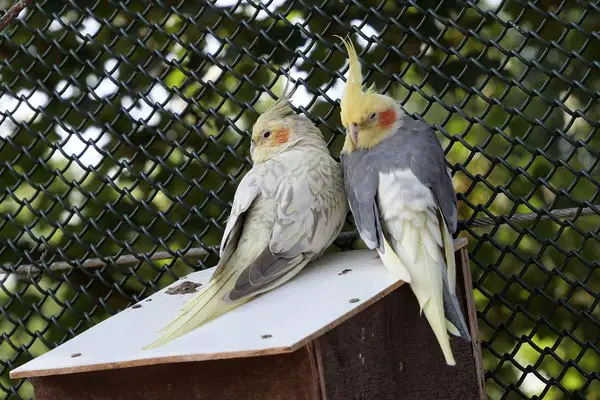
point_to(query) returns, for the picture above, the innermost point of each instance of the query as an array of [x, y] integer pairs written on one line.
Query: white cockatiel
[[286, 211], [402, 199]]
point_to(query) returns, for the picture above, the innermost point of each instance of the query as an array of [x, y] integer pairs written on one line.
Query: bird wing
[[361, 177], [246, 193], [302, 228], [426, 159], [361, 182]]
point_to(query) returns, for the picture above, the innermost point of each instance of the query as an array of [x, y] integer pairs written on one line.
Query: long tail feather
[[419, 247], [454, 316], [448, 244], [452, 328], [434, 307], [392, 262], [455, 319], [206, 306], [216, 281]]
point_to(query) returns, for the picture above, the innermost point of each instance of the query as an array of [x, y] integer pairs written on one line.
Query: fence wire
[[124, 129]]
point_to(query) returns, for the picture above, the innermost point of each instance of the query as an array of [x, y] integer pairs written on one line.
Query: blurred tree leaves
[[124, 127]]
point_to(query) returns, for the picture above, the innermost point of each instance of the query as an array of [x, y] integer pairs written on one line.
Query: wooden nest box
[[344, 329]]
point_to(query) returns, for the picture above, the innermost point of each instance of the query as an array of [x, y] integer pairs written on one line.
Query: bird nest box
[[344, 328]]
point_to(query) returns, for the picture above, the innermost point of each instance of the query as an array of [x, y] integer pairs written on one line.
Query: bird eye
[[266, 134], [373, 116]]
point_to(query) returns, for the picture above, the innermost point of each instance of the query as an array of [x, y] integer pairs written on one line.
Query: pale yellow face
[[272, 130], [366, 125], [268, 138], [367, 116]]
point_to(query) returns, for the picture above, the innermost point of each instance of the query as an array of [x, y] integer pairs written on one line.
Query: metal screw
[[267, 336], [136, 306], [354, 300], [75, 355]]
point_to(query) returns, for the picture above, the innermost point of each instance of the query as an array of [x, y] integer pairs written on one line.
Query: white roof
[[321, 297]]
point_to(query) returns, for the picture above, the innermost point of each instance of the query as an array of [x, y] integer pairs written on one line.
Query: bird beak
[[353, 132]]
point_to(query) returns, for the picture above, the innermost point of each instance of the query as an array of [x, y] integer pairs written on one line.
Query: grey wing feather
[[361, 182], [452, 309], [266, 271], [427, 161]]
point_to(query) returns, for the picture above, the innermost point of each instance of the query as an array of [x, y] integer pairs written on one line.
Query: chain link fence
[[124, 129]]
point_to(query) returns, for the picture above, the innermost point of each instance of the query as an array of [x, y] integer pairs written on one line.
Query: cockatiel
[[286, 211], [402, 199]]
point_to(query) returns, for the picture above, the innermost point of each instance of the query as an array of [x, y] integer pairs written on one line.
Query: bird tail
[[419, 241], [455, 319], [392, 262], [205, 306]]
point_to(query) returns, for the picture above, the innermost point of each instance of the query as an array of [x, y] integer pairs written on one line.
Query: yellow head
[[279, 128], [367, 116]]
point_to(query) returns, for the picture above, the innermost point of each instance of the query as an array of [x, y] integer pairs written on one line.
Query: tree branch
[[12, 13]]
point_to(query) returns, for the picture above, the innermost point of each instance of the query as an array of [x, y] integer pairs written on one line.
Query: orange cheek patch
[[387, 118], [281, 136]]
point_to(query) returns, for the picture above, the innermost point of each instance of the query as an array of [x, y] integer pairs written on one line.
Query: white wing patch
[[402, 197], [400, 194]]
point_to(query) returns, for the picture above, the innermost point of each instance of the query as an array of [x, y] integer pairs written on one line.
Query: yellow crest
[[351, 98], [356, 104]]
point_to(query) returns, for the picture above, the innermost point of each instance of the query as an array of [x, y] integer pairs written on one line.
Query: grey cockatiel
[[286, 211], [402, 199]]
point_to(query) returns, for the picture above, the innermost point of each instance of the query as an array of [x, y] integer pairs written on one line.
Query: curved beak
[[353, 132]]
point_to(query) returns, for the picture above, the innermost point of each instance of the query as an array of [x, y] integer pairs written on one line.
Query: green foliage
[[514, 94]]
